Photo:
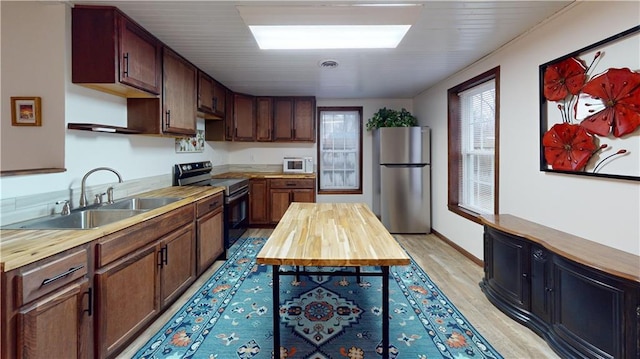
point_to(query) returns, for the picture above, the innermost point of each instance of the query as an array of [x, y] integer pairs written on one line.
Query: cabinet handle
[[62, 275], [165, 250], [213, 205], [236, 134], [160, 258], [214, 101], [291, 184], [125, 57], [89, 309], [294, 133], [168, 118], [549, 289]]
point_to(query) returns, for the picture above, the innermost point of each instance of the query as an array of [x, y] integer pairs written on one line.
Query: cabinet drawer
[[292, 183], [122, 243], [208, 204], [50, 275]]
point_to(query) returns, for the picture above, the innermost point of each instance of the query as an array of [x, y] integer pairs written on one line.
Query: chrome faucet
[[83, 196]]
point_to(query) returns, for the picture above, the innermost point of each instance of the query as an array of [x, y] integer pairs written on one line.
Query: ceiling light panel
[[328, 27]]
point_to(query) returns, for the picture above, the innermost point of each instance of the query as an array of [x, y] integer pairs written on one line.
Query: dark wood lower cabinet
[[56, 326], [582, 309], [126, 299]]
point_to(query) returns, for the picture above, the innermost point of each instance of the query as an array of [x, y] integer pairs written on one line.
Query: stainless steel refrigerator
[[402, 178]]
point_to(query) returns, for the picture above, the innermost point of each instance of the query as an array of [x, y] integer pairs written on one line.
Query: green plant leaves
[[391, 118]]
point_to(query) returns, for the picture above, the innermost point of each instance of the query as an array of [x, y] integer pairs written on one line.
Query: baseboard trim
[[462, 251]]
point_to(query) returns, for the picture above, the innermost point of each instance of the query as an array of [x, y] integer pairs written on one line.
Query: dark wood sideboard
[[582, 297]]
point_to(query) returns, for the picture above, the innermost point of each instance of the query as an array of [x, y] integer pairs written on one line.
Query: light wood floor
[[454, 274]]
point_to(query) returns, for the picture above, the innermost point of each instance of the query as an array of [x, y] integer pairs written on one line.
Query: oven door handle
[[240, 194]]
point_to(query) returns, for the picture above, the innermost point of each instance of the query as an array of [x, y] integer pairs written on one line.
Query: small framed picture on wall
[[26, 111]]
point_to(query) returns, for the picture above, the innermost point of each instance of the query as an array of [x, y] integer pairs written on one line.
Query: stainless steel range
[[236, 195]]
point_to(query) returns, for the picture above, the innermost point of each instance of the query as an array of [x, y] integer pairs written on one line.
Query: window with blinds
[[340, 150], [477, 124], [473, 147]]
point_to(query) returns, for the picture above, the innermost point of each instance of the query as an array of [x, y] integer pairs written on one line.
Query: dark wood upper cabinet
[[264, 119], [111, 53], [179, 94], [211, 97], [244, 118], [294, 119]]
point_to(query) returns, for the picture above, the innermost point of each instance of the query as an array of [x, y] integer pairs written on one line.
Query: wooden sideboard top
[[595, 255], [331, 234]]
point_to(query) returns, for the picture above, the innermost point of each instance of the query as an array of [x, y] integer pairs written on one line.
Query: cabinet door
[[258, 201], [139, 57], [229, 117], [264, 119], [244, 108], [304, 119], [590, 312], [179, 94], [219, 98], [58, 325], [507, 269], [282, 119], [126, 298], [178, 267], [541, 284], [279, 200], [210, 240], [205, 93]]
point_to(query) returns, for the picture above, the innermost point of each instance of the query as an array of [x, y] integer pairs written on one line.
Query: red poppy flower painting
[[590, 109], [568, 147], [616, 94], [564, 78]]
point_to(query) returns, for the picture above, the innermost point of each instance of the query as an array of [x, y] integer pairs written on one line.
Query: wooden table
[[331, 235]]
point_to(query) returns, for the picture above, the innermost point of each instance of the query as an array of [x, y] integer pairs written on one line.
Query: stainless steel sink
[[137, 203], [90, 218]]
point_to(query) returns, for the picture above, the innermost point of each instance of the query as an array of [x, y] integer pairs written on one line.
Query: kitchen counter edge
[[19, 247]]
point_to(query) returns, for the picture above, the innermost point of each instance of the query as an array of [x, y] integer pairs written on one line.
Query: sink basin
[[136, 203], [86, 219]]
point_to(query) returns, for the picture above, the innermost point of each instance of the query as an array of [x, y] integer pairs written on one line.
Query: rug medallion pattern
[[322, 317]]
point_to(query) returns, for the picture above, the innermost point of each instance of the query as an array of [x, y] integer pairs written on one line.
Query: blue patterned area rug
[[321, 317]]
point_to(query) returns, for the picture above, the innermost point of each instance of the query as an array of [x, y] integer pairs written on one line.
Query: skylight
[[329, 27], [328, 36]]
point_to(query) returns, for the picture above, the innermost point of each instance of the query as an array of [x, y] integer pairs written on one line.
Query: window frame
[[319, 151], [454, 152]]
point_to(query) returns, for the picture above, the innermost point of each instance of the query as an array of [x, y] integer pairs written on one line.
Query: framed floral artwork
[[25, 111], [590, 110]]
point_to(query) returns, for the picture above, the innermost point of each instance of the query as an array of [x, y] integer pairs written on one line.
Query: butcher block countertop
[[19, 247], [331, 234], [577, 249], [251, 175]]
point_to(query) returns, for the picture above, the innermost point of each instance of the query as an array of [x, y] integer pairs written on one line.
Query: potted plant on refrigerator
[[391, 118]]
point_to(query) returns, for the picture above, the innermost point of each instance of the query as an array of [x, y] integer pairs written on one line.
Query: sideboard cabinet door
[[507, 271], [589, 311]]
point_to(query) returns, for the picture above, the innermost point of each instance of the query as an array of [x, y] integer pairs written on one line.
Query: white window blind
[[478, 147], [339, 162]]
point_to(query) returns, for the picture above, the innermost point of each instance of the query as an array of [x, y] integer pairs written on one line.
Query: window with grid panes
[[473, 144], [340, 150]]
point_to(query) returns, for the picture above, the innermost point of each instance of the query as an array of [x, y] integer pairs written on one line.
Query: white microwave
[[297, 165]]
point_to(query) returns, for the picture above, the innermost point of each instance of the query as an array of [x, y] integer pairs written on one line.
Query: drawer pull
[[291, 184], [62, 275], [213, 205]]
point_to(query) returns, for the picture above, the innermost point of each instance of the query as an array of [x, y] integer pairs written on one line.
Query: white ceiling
[[448, 36]]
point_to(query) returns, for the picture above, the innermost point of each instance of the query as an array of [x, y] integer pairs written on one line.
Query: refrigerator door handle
[[405, 165]]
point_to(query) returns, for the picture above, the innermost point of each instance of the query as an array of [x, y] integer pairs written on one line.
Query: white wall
[[32, 68], [602, 210]]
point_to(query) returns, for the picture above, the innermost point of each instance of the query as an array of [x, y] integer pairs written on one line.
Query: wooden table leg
[[276, 312], [385, 311]]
